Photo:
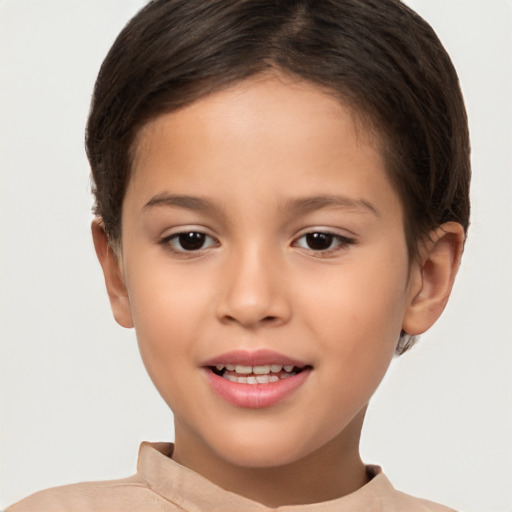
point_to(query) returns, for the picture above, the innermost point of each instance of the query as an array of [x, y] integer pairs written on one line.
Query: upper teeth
[[256, 370]]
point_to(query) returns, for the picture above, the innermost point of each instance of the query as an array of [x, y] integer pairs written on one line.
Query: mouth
[[259, 374], [257, 379]]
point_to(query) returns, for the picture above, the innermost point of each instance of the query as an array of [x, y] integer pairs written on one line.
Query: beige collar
[[192, 492]]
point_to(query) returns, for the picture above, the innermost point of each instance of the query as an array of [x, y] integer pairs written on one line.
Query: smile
[[261, 374], [255, 379]]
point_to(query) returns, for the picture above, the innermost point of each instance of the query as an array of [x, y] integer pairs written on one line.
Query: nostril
[[250, 321], [251, 310]]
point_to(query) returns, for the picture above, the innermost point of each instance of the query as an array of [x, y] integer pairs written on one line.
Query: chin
[[256, 459], [261, 452]]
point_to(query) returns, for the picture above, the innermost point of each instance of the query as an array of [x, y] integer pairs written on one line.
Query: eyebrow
[[181, 201], [309, 204], [295, 206]]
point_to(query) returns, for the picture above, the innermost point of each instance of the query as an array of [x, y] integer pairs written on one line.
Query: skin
[[257, 153]]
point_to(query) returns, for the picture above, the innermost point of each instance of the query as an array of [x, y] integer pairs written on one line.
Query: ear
[[114, 275], [432, 277]]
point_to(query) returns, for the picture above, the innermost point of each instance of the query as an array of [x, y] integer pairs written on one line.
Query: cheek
[[165, 300], [168, 311], [356, 328], [356, 312]]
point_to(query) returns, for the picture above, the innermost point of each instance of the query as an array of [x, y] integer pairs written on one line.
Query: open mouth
[[256, 379], [261, 374]]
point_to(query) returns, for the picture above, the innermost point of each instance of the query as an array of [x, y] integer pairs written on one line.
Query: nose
[[253, 290]]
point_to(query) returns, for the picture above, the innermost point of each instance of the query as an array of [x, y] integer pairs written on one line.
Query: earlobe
[[113, 274], [433, 277]]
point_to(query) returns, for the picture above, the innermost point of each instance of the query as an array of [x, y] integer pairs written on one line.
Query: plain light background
[[76, 401]]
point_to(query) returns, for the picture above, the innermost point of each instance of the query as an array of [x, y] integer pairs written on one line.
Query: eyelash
[[342, 242], [168, 242]]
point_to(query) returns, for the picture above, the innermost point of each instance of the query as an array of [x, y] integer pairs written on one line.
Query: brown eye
[[189, 241], [319, 241], [323, 241]]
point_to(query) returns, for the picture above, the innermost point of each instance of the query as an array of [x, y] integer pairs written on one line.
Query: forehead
[[250, 106], [269, 135]]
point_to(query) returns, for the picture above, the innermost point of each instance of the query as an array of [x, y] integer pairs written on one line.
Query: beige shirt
[[162, 485]]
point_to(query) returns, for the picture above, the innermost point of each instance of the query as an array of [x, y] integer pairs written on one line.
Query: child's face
[[292, 251]]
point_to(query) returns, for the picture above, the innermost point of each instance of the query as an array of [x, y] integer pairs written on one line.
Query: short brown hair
[[377, 56]]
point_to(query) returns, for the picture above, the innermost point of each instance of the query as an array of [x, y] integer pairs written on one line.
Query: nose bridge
[[254, 290]]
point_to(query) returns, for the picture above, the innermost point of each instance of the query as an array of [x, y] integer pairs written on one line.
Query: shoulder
[[127, 495], [386, 497], [130, 494], [412, 504]]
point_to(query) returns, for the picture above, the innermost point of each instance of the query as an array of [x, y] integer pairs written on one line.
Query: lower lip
[[256, 396]]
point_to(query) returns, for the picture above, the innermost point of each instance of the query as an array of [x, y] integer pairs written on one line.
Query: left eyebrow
[[181, 201], [309, 204]]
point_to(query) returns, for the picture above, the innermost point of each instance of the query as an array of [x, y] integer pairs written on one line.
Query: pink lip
[[253, 358], [255, 396]]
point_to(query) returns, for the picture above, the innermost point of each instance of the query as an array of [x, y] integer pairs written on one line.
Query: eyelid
[[344, 241], [166, 239]]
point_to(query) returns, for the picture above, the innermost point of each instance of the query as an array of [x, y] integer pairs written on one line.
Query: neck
[[330, 472]]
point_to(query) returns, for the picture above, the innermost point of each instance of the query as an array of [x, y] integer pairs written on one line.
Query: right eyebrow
[[181, 201], [309, 204]]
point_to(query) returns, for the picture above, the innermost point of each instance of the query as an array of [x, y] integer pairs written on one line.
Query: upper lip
[[253, 358]]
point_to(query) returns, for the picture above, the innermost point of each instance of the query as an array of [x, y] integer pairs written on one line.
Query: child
[[282, 202]]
